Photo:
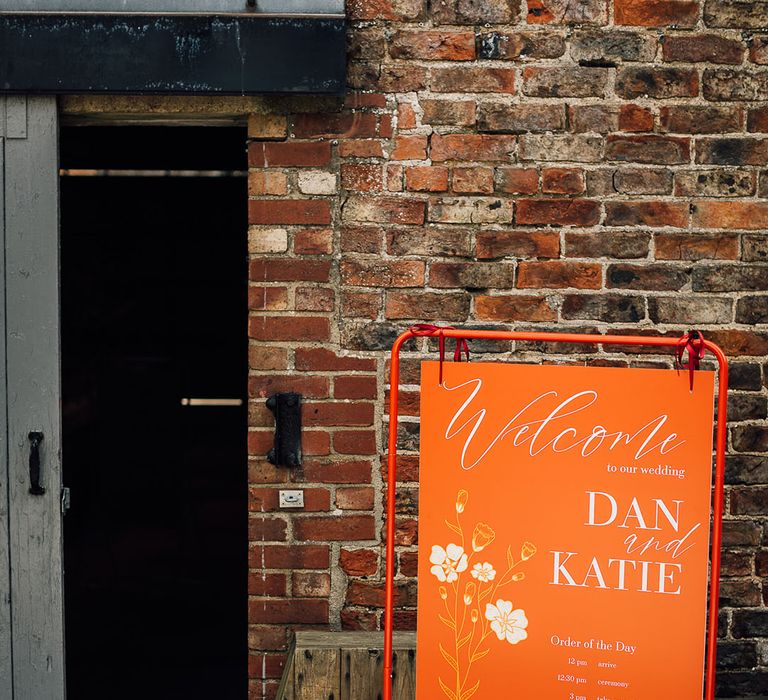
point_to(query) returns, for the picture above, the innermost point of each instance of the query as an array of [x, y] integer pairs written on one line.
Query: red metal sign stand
[[695, 347]]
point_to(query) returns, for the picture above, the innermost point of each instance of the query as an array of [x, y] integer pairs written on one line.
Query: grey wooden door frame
[[30, 525]]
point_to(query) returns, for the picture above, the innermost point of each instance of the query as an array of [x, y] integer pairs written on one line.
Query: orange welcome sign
[[563, 532]]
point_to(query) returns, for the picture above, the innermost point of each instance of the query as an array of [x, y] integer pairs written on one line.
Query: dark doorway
[[154, 316]]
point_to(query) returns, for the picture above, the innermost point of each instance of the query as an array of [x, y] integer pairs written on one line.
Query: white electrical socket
[[292, 499]]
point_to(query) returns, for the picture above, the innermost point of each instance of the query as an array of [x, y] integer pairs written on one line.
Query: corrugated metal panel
[[297, 7]]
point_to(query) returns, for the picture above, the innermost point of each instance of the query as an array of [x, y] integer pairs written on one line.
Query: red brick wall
[[548, 164]]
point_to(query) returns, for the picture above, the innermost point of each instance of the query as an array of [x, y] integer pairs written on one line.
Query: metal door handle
[[35, 438]]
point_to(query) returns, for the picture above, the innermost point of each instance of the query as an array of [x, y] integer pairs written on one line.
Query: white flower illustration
[[484, 572], [506, 622], [448, 562]]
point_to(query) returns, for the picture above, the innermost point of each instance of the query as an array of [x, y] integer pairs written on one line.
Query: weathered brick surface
[[599, 165]]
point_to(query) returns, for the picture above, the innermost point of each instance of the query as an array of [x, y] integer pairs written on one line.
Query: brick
[[289, 154], [267, 358], [375, 273], [555, 147], [406, 116], [510, 46], [362, 177], [316, 414], [290, 610], [735, 563], [394, 77], [656, 13], [562, 181], [720, 182], [600, 119], [288, 557], [473, 79], [337, 471], [475, 180], [690, 310], [731, 215], [261, 182], [266, 529], [450, 112], [663, 150], [354, 442], [355, 498], [472, 275], [657, 83], [472, 147], [408, 563], [690, 119], [426, 178], [745, 375], [477, 210], [335, 125], [311, 584], [748, 500], [565, 82], [743, 407], [319, 359], [409, 148], [727, 278], [291, 211], [267, 298], [360, 148], [696, 246], [364, 44], [755, 248], [431, 242], [732, 151], [299, 328], [265, 500], [313, 241], [395, 175], [559, 275], [741, 533], [360, 304], [566, 12], [635, 118], [361, 239], [518, 118], [262, 386], [739, 593], [610, 308], [514, 308], [737, 342], [735, 14], [425, 305], [359, 562], [355, 387], [383, 210], [607, 244], [267, 126], [475, 11], [758, 50], [652, 277], [371, 594], [736, 655], [338, 529], [702, 48], [517, 244], [314, 299], [728, 84], [433, 45], [647, 213], [559, 212], [289, 270], [517, 180], [397, 10], [642, 181], [267, 638], [757, 120], [611, 46]]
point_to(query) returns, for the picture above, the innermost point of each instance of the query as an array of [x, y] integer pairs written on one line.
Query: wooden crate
[[347, 666]]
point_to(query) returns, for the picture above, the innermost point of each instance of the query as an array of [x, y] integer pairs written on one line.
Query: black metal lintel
[[171, 54]]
